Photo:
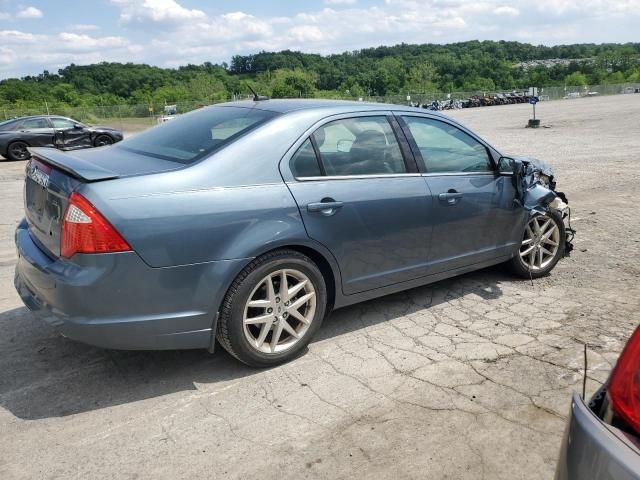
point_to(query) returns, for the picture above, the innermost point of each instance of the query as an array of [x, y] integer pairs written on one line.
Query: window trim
[[57, 117], [316, 152], [19, 124], [418, 155], [410, 164], [314, 147]]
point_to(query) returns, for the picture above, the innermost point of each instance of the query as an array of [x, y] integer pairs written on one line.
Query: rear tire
[[17, 151], [537, 254], [262, 325]]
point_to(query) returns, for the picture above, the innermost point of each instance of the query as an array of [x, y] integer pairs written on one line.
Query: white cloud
[[25, 50], [507, 11], [29, 12], [15, 37], [83, 27], [170, 34], [156, 11], [68, 41], [340, 2]]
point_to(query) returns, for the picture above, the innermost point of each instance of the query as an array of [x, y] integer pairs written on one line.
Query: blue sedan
[[248, 222]]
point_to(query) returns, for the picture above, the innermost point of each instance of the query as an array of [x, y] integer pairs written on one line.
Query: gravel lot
[[467, 378]]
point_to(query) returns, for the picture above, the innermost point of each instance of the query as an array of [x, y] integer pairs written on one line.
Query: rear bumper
[[591, 450], [117, 301]]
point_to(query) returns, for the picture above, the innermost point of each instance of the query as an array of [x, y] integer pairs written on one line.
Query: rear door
[[37, 132], [360, 195], [474, 215], [70, 135]]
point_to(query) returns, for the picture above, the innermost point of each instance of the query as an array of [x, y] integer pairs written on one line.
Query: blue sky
[[49, 34]]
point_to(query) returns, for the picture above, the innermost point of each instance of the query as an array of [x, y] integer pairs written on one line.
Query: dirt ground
[[465, 379]]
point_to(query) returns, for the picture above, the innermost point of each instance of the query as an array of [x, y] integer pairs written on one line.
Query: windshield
[[192, 136]]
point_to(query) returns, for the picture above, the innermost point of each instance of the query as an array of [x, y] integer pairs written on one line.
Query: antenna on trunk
[[256, 97]]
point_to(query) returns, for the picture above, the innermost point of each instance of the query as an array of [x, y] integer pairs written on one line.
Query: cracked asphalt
[[468, 378]]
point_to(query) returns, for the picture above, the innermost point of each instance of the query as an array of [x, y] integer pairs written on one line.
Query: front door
[[70, 135], [474, 216], [362, 199]]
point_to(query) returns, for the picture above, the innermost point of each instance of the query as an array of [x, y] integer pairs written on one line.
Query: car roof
[[288, 105], [27, 117]]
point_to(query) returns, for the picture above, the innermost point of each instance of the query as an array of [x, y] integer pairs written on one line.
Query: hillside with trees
[[400, 69]]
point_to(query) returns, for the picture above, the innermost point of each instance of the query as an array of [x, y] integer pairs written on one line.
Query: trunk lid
[[46, 191], [52, 175]]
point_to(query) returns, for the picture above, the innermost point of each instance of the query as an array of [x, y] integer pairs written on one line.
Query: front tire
[[102, 140], [542, 246], [272, 309]]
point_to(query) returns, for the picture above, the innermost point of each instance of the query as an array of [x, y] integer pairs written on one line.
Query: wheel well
[[324, 267], [322, 264]]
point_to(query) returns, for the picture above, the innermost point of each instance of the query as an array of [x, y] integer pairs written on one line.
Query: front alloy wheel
[[542, 246], [540, 243], [272, 309]]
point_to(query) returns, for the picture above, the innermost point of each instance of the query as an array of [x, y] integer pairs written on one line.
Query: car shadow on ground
[[44, 375]]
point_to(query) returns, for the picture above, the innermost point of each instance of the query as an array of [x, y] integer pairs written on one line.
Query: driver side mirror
[[77, 126], [506, 165]]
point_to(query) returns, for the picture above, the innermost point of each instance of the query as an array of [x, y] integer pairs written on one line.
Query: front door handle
[[328, 206], [451, 197]]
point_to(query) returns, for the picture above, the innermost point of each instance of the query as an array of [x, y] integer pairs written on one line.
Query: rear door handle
[[326, 206], [451, 197]]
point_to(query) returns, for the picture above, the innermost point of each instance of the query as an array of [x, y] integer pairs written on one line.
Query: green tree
[[292, 83], [422, 78], [576, 79]]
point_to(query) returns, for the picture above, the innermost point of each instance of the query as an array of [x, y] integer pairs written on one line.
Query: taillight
[[624, 387], [85, 230]]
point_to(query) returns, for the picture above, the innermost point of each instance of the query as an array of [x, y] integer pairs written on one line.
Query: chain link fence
[[137, 117]]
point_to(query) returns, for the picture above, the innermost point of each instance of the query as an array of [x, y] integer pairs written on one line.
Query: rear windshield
[[7, 124], [192, 136]]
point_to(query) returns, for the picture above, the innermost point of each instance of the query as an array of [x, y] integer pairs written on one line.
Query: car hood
[[103, 128]]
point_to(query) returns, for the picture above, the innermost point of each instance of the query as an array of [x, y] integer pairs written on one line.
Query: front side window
[[359, 146], [445, 148], [195, 135], [62, 123], [35, 123]]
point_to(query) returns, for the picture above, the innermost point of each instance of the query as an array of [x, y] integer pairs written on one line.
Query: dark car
[[18, 134], [248, 221], [602, 438]]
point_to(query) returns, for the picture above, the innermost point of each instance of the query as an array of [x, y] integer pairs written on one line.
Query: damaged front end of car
[[536, 192]]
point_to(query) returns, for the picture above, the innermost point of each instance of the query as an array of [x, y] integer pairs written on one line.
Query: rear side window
[[304, 162], [195, 135], [35, 123], [8, 125], [446, 148], [359, 146]]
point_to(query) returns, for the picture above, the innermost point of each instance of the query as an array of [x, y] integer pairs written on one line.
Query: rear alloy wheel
[[102, 140], [279, 311], [272, 309], [542, 246], [18, 151]]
